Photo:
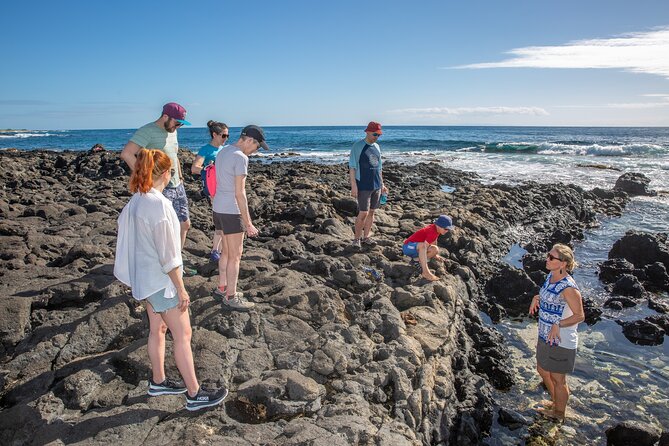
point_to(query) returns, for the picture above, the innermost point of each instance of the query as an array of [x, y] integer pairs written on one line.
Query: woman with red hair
[[148, 259]]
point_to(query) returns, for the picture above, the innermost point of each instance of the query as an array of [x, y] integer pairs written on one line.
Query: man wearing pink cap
[[162, 135], [366, 181]]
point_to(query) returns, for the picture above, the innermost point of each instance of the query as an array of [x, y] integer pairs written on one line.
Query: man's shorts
[[160, 303], [369, 199], [228, 223], [177, 195], [410, 249]]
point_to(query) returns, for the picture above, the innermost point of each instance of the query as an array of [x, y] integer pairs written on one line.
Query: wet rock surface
[[637, 273], [634, 184], [632, 433], [331, 355]]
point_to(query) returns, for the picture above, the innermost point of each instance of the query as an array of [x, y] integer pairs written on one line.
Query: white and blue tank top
[[553, 308]]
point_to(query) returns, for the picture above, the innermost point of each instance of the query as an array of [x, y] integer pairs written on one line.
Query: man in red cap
[[366, 181], [162, 135]]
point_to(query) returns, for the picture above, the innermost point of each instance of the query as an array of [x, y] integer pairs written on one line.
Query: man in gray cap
[[162, 135]]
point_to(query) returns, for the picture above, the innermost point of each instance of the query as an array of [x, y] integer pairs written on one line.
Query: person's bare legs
[[178, 323], [222, 261], [359, 224], [216, 245], [184, 226], [561, 394], [546, 377], [156, 344], [369, 221], [235, 243], [432, 251], [422, 258]]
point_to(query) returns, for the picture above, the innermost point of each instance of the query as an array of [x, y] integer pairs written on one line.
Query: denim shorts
[[177, 195], [410, 249], [160, 303]]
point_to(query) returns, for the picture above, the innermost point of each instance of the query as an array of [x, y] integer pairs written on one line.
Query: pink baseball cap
[[175, 111]]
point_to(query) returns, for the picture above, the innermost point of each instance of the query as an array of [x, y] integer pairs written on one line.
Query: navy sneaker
[[206, 398], [167, 387]]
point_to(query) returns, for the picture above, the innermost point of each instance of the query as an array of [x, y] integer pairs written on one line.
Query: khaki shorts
[[229, 223], [556, 359]]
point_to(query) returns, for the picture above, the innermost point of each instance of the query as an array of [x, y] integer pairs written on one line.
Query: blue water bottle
[[384, 199]]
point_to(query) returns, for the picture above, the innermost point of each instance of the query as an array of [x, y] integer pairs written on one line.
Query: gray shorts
[[556, 359], [228, 223], [369, 199], [160, 303], [177, 195]]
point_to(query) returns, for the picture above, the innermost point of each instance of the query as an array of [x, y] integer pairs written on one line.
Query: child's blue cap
[[444, 221]]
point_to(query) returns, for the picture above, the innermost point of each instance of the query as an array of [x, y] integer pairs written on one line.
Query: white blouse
[[148, 245]]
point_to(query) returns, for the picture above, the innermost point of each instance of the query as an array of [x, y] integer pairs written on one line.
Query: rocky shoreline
[[331, 356]]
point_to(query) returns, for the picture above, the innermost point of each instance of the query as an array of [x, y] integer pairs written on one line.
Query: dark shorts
[[369, 199], [553, 358], [177, 195], [228, 223], [160, 303]]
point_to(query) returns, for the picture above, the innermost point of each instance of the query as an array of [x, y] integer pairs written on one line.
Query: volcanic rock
[[634, 184], [632, 433]]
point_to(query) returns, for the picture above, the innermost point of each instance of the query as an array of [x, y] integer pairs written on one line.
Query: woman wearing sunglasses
[[219, 133], [560, 309]]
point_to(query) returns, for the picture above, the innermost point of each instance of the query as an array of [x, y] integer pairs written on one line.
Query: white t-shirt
[[148, 245], [231, 162]]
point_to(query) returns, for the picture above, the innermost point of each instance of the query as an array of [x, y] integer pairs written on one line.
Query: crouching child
[[422, 244]]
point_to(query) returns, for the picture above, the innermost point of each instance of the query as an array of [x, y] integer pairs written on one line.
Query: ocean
[[614, 380]]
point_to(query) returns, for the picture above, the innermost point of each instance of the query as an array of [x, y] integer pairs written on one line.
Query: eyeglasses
[[178, 124], [550, 256], [224, 135], [376, 134]]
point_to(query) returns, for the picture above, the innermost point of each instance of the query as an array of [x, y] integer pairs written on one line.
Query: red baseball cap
[[374, 127], [175, 111]]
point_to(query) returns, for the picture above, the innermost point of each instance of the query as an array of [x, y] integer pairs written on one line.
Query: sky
[[99, 65]]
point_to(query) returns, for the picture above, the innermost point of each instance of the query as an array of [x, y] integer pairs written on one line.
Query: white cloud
[[448, 111], [642, 52]]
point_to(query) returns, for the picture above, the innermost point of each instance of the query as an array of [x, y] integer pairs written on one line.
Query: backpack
[[209, 180]]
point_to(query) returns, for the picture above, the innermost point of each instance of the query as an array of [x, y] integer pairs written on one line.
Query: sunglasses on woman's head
[[550, 256]]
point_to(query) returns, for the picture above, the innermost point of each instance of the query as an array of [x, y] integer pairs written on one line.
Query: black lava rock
[[643, 332], [632, 433], [634, 184], [628, 285]]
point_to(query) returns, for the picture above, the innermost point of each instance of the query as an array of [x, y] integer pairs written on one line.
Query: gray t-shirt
[[152, 136], [230, 163]]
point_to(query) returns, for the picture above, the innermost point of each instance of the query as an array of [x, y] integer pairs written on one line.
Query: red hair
[[149, 164]]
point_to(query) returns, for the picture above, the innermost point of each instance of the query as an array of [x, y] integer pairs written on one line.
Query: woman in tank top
[[560, 308]]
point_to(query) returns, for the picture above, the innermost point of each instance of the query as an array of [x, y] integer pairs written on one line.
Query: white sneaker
[[356, 242], [237, 303]]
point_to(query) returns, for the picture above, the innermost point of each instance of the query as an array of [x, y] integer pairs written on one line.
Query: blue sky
[[87, 64]]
